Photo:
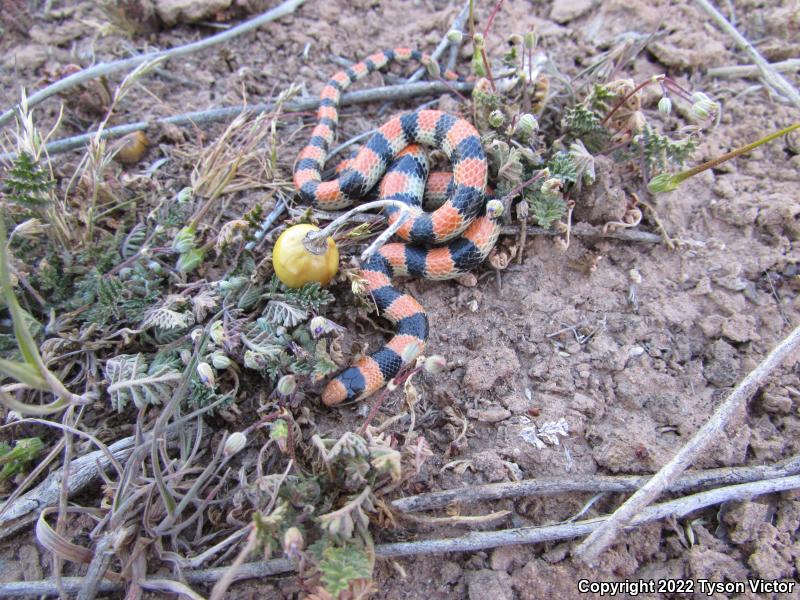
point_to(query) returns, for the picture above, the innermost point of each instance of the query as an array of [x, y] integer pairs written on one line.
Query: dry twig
[[283, 9], [774, 79], [393, 92], [593, 483], [471, 542], [591, 548]]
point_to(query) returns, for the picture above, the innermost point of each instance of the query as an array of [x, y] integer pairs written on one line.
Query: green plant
[[17, 459]]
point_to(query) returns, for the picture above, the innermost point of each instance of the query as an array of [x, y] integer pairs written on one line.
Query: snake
[[443, 244]]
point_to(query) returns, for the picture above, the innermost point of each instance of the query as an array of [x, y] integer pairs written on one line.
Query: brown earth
[[633, 356]]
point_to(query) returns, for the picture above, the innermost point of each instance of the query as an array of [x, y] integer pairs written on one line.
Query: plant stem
[[683, 175]]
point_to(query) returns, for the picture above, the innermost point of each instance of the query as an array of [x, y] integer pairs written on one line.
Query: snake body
[[393, 158]]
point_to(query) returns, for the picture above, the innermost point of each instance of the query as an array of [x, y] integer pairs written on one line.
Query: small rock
[[744, 520], [723, 366], [772, 558], [711, 326], [741, 328], [517, 404], [506, 558], [495, 362], [585, 404], [485, 584], [493, 414], [489, 464], [188, 11], [572, 347], [776, 402], [564, 11], [450, 572], [31, 56]]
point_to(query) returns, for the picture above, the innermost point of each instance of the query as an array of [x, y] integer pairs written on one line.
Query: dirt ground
[[633, 356]]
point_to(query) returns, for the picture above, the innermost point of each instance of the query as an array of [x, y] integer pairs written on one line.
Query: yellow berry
[[295, 265]]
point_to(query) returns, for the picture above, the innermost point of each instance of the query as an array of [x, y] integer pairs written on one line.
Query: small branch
[[467, 543], [785, 66], [589, 231], [591, 548], [770, 75], [444, 43], [378, 94], [593, 484], [287, 7]]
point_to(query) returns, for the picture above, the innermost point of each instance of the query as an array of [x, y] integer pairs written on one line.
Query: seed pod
[[494, 208], [435, 364], [454, 36], [206, 374], [527, 124], [665, 105], [286, 385], [220, 360], [235, 442], [293, 541], [496, 118]]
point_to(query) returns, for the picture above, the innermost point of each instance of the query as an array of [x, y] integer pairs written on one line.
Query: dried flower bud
[[387, 461], [494, 209], [454, 36], [552, 186], [496, 118], [435, 364], [255, 360], [665, 105], [319, 326], [665, 182], [515, 39], [293, 542], [704, 108], [28, 229], [217, 332], [220, 360], [527, 125], [186, 356], [235, 442], [206, 374], [286, 385], [185, 195], [530, 40], [279, 432], [196, 334]]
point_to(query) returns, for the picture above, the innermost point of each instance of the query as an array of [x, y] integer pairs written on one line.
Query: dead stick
[[593, 484], [774, 79], [286, 8], [388, 92], [784, 66], [467, 543], [591, 548]]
